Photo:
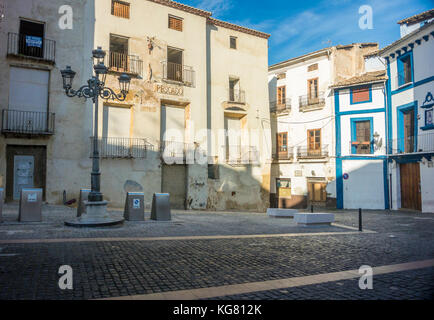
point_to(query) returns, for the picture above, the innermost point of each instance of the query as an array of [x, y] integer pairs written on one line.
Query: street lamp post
[[96, 207]]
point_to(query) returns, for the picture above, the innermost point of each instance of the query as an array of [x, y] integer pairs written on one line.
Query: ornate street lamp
[[96, 207]]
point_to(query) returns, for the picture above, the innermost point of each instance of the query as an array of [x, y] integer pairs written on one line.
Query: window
[[314, 141], [234, 90], [118, 55], [31, 39], [404, 65], [282, 143], [121, 9], [312, 67], [174, 64], [233, 42], [312, 89], [281, 95], [361, 94], [361, 136], [175, 23]]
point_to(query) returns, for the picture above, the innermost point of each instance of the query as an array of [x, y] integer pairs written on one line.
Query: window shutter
[[175, 23], [361, 94]]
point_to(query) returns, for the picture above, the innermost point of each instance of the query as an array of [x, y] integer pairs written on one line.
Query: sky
[[303, 26]]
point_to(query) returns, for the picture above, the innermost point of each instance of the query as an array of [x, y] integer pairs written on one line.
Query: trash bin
[[161, 207], [30, 205], [135, 206]]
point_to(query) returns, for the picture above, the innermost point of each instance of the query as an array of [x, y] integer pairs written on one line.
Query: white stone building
[[192, 77], [410, 90]]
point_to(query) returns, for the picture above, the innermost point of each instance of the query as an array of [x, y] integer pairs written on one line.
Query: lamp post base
[[96, 216]]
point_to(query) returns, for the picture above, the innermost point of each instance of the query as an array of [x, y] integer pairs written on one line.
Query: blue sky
[[299, 27]]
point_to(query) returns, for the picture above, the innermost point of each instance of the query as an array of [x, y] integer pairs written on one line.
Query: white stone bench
[[308, 219], [281, 213]]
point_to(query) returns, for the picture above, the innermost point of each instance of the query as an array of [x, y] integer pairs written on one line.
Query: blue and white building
[[360, 121], [409, 116]]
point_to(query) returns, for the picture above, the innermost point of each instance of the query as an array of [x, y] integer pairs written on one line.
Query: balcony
[[308, 103], [25, 46], [307, 153], [237, 96], [27, 122], [279, 107], [284, 153], [239, 155], [179, 73], [412, 144], [121, 148], [119, 62], [174, 150]]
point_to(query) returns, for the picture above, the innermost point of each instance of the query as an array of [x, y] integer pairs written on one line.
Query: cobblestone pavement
[[119, 268]]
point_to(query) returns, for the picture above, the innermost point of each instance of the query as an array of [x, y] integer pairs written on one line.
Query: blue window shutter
[[400, 66]]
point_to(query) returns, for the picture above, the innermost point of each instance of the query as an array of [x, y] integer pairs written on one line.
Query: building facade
[[303, 127], [192, 77], [360, 120], [410, 89]]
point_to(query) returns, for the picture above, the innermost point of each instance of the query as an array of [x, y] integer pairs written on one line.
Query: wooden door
[[410, 186], [317, 192]]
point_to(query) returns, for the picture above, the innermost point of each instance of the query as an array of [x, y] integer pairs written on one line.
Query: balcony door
[[174, 64], [31, 39], [118, 56], [282, 145], [233, 138], [312, 89], [314, 142], [28, 100], [408, 118]]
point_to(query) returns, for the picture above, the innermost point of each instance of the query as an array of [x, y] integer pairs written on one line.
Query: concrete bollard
[[135, 206], [161, 207], [30, 205], [81, 208]]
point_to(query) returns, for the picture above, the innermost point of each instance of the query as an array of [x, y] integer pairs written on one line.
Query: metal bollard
[[311, 208], [360, 219], [1, 204]]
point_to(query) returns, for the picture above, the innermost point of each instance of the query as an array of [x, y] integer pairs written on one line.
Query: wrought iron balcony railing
[[280, 106], [309, 153], [236, 154], [411, 144], [236, 95], [284, 153], [31, 46], [307, 102], [179, 73], [120, 62], [27, 122], [122, 148]]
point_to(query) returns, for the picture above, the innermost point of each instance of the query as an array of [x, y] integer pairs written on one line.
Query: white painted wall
[[365, 185]]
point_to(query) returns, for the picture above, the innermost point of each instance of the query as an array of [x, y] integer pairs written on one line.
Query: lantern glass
[[124, 83], [98, 56], [68, 76]]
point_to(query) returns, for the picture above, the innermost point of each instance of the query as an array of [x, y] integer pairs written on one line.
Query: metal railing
[[280, 106], [237, 95], [308, 102], [284, 153], [179, 73], [121, 62], [176, 149], [31, 46], [27, 122], [305, 152], [411, 144], [402, 79], [236, 154], [121, 148]]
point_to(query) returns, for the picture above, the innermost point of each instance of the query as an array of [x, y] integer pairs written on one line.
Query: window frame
[[230, 42], [369, 86], [314, 136], [278, 145], [354, 134], [281, 89], [309, 85], [171, 16], [400, 68]]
